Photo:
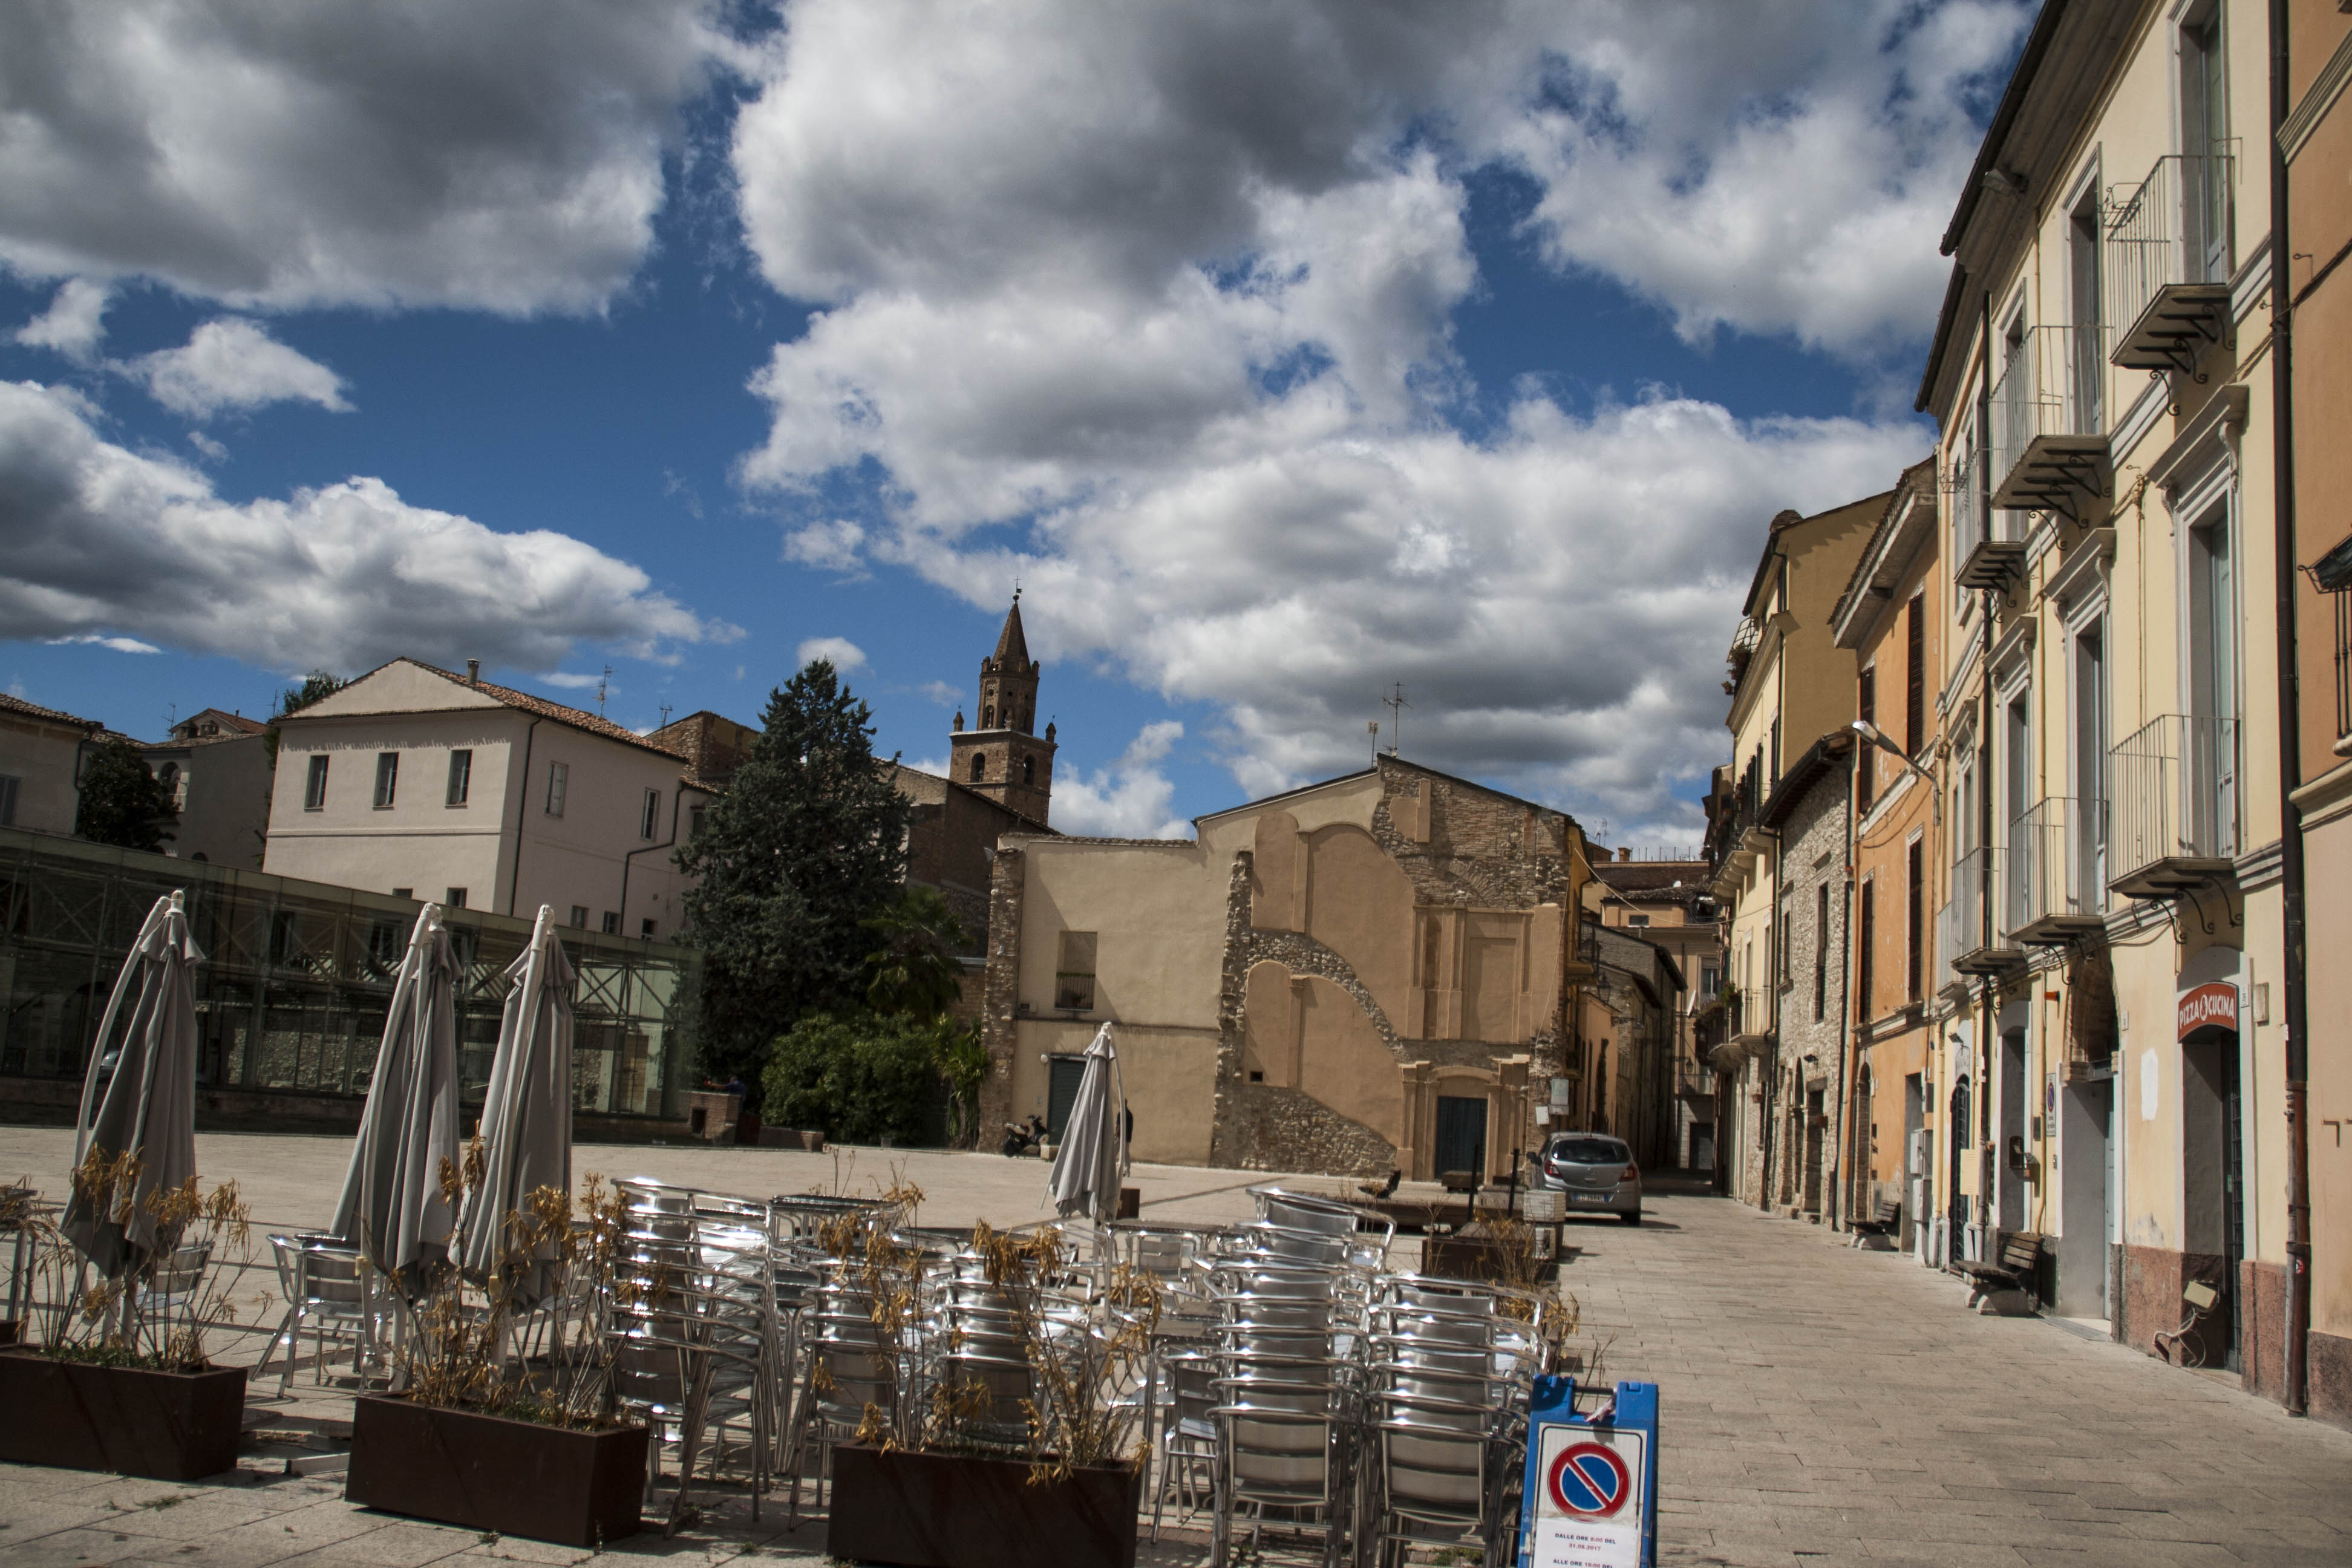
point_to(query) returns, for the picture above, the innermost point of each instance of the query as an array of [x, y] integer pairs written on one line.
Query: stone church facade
[[1368, 973]]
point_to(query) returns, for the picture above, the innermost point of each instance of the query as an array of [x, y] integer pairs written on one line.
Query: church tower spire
[[1001, 756]]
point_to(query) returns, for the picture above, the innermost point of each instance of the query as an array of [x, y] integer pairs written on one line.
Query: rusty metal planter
[[490, 1473], [954, 1510], [168, 1425]]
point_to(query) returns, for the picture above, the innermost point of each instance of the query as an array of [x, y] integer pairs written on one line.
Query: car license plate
[[1591, 1197]]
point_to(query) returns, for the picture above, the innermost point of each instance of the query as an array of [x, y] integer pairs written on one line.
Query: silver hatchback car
[[1596, 1172]]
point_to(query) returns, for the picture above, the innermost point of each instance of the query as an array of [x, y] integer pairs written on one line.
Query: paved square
[[1820, 1405]]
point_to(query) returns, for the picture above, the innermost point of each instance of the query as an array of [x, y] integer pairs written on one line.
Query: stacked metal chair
[[1449, 1367], [1291, 1290], [692, 1329], [848, 1362], [977, 1348]]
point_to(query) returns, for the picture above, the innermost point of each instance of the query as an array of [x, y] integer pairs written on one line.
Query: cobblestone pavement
[[1820, 1405]]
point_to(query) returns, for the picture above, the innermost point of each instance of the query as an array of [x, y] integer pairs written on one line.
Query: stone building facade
[[1809, 812], [1366, 975]]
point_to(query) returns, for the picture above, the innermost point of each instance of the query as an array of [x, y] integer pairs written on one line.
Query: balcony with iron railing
[[2174, 788], [1982, 947], [1694, 1080], [2167, 260], [2049, 422], [2057, 882], [1947, 949]]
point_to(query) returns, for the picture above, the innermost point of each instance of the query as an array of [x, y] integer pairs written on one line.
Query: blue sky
[[1280, 354]]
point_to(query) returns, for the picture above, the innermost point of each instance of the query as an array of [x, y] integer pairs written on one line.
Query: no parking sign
[[1591, 1487]]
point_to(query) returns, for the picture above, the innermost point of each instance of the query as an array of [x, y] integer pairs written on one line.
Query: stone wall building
[[1620, 1055], [1369, 973], [1804, 1093], [1669, 904]]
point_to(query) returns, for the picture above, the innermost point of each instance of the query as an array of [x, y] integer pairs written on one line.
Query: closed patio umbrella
[[392, 1207], [145, 1058], [1087, 1170], [526, 1116]]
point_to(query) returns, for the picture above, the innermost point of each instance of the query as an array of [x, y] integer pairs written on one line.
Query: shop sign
[[2211, 1006]]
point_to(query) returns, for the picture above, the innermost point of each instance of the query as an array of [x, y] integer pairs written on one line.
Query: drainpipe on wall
[[2290, 701], [522, 814], [1985, 987], [675, 796], [1844, 1141]]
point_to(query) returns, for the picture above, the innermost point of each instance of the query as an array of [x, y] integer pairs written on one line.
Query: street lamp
[[1873, 735]]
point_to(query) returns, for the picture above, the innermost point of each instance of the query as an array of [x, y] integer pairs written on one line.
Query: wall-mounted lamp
[[1873, 735]]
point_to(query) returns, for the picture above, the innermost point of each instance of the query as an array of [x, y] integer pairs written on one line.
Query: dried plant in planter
[[1088, 1343], [1530, 1281], [473, 1344], [161, 1313], [871, 1262]]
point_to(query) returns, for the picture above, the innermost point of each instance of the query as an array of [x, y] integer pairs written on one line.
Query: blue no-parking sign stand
[[1591, 1495]]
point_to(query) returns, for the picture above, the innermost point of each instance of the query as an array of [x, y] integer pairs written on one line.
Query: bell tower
[[1001, 756]]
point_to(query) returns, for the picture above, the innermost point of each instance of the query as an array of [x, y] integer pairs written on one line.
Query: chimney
[[473, 672], [1623, 853]]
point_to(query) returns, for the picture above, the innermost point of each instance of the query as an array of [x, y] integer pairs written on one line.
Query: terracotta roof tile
[[35, 710]]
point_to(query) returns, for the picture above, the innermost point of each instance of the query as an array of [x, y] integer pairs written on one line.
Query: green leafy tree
[[963, 1062], [808, 843], [294, 698], [121, 802], [856, 1076], [915, 969]]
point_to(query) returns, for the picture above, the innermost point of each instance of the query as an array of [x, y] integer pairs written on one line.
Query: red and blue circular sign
[[1590, 1480]]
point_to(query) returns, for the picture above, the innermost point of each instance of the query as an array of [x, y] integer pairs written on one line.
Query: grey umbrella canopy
[[526, 1116], [145, 1058], [1087, 1170], [392, 1207]]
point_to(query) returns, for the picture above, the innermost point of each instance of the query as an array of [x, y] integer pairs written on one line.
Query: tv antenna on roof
[[664, 713], [602, 682], [1397, 707]]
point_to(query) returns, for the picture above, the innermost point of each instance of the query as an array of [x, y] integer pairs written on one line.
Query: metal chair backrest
[[331, 1280]]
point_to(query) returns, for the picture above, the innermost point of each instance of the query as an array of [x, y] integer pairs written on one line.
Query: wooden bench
[[2017, 1269], [1883, 1220]]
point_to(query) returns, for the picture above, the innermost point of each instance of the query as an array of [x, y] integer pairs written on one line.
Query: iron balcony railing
[[1964, 488], [2174, 785], [2049, 434], [1947, 945], [1977, 876], [2168, 234], [2053, 384], [2057, 868]]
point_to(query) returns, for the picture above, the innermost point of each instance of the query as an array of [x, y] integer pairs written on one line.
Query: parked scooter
[[1022, 1138]]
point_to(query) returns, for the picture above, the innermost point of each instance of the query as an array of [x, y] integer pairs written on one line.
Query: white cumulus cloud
[[432, 152], [99, 639], [840, 652], [75, 323], [96, 539], [229, 365], [1129, 799], [1153, 308]]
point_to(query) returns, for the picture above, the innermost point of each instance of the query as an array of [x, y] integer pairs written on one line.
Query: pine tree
[[122, 803], [808, 843]]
